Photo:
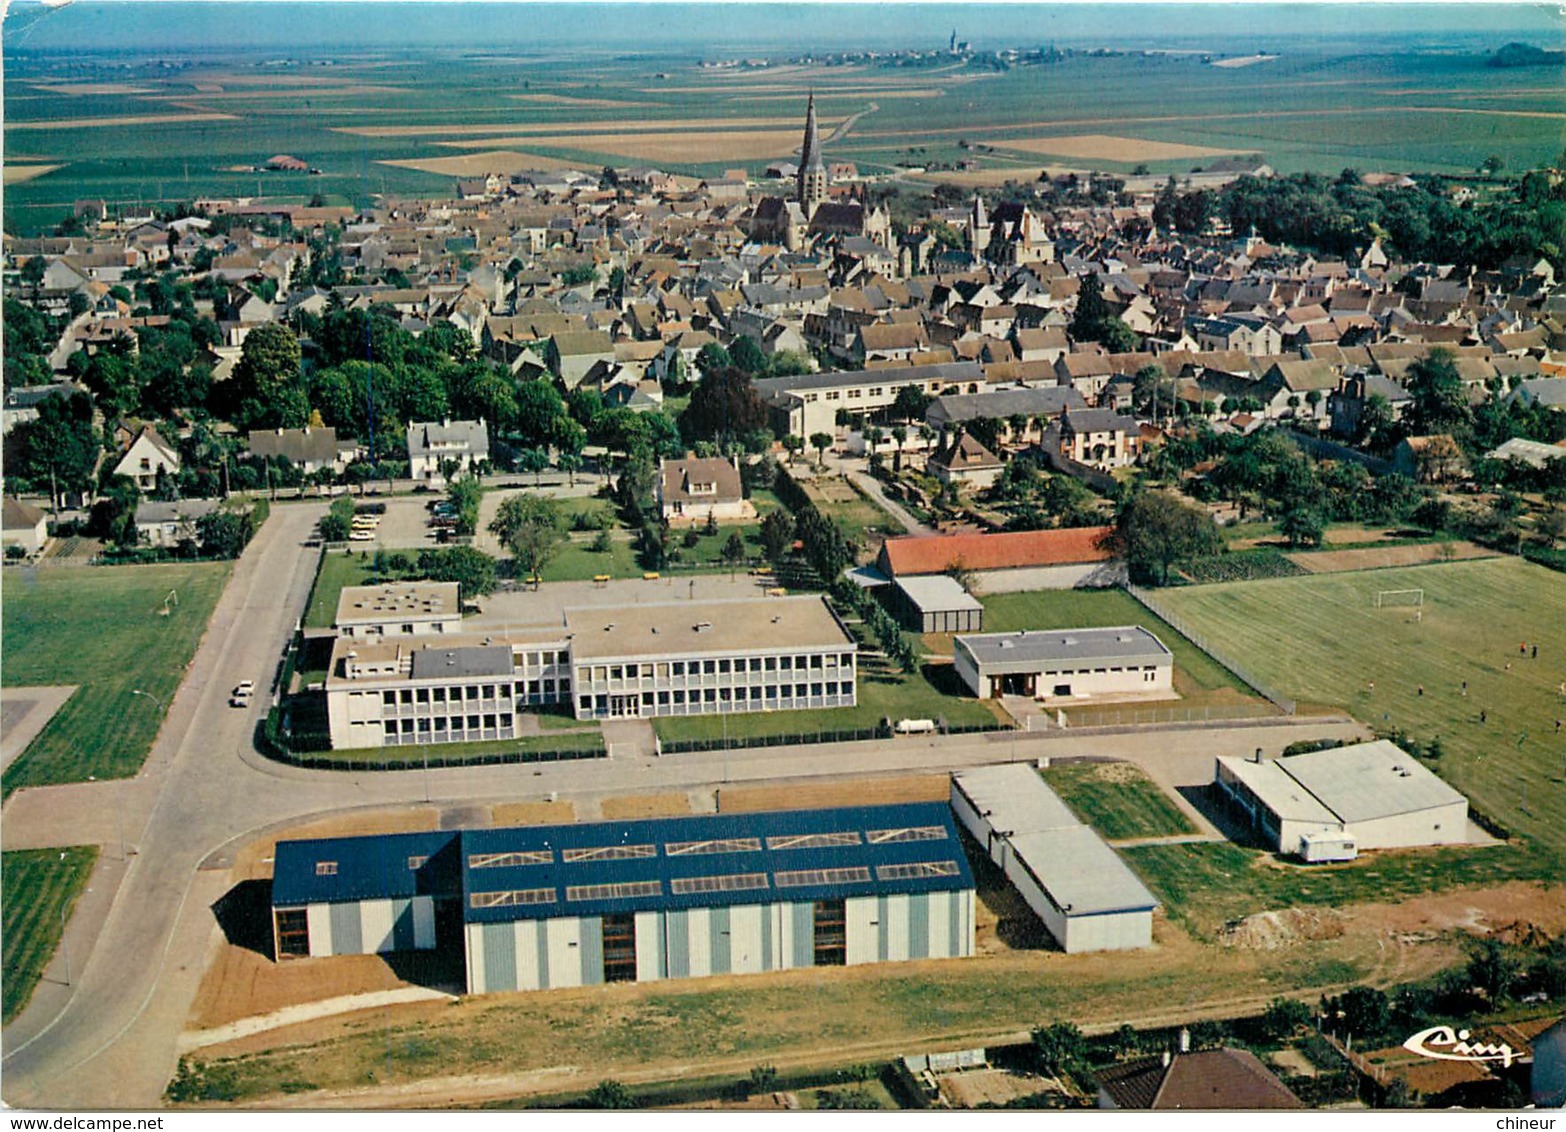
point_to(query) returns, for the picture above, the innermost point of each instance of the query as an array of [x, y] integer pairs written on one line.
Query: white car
[[361, 536], [244, 687]]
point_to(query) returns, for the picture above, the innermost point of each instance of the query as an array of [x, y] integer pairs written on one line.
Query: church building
[[811, 216]]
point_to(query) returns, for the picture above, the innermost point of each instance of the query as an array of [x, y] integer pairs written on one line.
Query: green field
[[1319, 638], [1317, 107], [1196, 673], [555, 737], [337, 570], [38, 890], [1118, 800], [1205, 885], [101, 628]]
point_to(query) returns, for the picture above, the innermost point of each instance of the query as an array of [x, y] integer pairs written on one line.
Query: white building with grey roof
[[1087, 897], [1066, 665], [1329, 805], [435, 446]]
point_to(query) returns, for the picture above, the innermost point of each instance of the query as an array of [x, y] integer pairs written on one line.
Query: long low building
[[1009, 561], [1328, 805], [629, 661], [1065, 664], [541, 907], [1087, 897]]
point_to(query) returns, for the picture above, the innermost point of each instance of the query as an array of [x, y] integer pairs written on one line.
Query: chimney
[[1258, 754]]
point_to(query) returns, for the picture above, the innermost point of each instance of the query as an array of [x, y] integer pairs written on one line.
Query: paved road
[[109, 1041]]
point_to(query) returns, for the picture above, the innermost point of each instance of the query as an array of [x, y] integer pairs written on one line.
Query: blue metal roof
[[683, 878], [541, 872], [340, 869]]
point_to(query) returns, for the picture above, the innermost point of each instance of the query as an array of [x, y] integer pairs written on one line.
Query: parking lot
[[404, 526]]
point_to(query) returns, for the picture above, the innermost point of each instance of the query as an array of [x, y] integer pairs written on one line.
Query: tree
[[609, 1094], [1156, 530], [821, 441], [793, 444], [528, 526], [1061, 1049], [911, 403], [1302, 526], [469, 567], [538, 407], [713, 358], [466, 495], [777, 534], [1438, 401], [1492, 970], [570, 463], [1283, 1017], [733, 551], [724, 405], [746, 355], [1365, 1011], [59, 450], [265, 389], [337, 523], [533, 460], [1375, 422]]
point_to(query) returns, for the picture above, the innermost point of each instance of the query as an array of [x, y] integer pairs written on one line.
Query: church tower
[[812, 173], [978, 229]]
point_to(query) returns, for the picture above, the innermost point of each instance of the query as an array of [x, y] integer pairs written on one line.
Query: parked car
[[361, 536]]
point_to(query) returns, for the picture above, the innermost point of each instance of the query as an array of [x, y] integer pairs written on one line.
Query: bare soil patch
[[823, 795], [471, 164], [532, 813], [92, 88], [16, 174], [599, 125], [1108, 147], [1268, 931], [647, 806], [241, 983], [129, 120], [1375, 557]]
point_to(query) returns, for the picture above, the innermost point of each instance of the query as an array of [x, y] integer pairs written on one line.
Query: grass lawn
[[554, 738], [1205, 885], [38, 889], [1195, 671], [575, 562], [1118, 800], [338, 569], [101, 628], [882, 694], [1513, 765]]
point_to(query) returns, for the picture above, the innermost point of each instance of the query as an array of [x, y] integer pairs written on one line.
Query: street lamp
[[150, 696]]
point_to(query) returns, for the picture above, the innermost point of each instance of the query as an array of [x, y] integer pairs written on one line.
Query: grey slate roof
[[895, 375], [1049, 400], [423, 438]]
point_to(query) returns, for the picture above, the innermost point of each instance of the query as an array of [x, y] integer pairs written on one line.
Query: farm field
[[41, 887], [1341, 650], [131, 132], [54, 633], [1118, 800]]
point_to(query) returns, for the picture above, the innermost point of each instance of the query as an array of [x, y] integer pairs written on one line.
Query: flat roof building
[[1328, 805], [629, 661], [398, 609], [1076, 884], [937, 603], [540, 907], [1065, 664]]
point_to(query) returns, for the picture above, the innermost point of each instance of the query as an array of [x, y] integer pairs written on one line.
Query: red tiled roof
[[933, 554], [1210, 1079]]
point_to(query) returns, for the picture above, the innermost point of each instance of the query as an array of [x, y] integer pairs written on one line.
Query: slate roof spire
[[812, 173]]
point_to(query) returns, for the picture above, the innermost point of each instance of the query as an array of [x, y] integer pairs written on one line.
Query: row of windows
[[753, 694], [471, 692], [518, 858], [1148, 668], [662, 670], [440, 725]]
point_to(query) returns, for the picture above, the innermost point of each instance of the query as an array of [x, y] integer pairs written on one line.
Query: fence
[[883, 730], [1176, 622], [1116, 717], [271, 742]]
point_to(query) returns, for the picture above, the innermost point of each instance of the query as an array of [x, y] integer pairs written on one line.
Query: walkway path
[[872, 487]]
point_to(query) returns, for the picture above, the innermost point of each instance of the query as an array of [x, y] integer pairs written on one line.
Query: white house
[[432, 444], [24, 526], [148, 455]]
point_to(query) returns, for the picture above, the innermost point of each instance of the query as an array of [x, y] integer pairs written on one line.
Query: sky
[[300, 28]]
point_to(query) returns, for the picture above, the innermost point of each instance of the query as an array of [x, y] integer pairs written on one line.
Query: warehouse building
[[1329, 805], [636, 661], [1065, 664], [1075, 883], [1009, 561], [578, 905]]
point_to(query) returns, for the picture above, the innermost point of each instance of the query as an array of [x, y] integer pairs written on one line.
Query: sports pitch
[[1321, 639]]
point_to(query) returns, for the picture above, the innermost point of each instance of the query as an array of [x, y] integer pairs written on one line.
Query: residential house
[[1298, 390], [169, 524], [148, 455], [431, 445], [572, 354], [24, 525], [1222, 1079], [1346, 404], [1099, 438], [308, 449], [965, 461], [1550, 392], [1429, 459], [701, 490]]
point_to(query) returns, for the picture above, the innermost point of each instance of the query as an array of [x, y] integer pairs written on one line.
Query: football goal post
[[1400, 599]]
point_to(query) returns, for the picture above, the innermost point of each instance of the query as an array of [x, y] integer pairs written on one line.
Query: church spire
[[812, 173]]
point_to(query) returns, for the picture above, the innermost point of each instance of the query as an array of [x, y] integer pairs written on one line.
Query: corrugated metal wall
[[738, 939], [368, 927]]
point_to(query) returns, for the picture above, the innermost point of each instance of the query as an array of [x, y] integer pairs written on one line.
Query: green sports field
[[1321, 639], [38, 889], [101, 628]]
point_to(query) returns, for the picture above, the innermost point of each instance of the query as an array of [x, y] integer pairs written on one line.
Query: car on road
[[240, 697]]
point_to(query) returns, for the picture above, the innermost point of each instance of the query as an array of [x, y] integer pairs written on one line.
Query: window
[[916, 869], [622, 891], [326, 868], [813, 840], [293, 932], [799, 878], [619, 947], [422, 695], [405, 696], [608, 853], [416, 863], [512, 859], [731, 882], [388, 699], [831, 933], [718, 845], [911, 833], [510, 898]]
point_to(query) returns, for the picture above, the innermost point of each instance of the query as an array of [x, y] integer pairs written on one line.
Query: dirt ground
[[505, 161], [1107, 147], [823, 795], [1374, 557], [997, 1087], [598, 126], [646, 806], [129, 120], [532, 813], [92, 88]]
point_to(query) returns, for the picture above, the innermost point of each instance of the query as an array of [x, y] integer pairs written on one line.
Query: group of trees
[[1095, 321]]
